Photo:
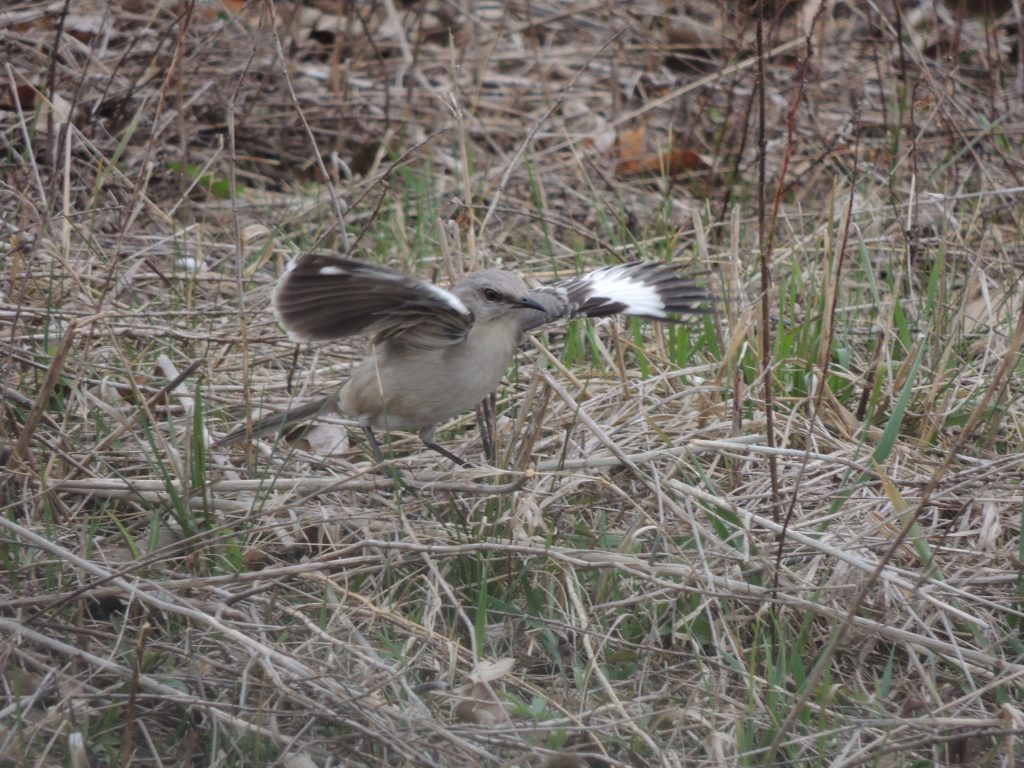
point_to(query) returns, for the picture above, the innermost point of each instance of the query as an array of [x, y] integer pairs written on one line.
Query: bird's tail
[[271, 424]]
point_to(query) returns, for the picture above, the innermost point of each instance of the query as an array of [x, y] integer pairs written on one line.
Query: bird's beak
[[528, 303]]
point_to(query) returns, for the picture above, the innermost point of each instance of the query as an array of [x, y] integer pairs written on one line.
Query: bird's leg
[[427, 436], [447, 454], [374, 445], [378, 455]]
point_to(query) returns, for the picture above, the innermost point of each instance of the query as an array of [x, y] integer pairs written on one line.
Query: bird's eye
[[491, 295]]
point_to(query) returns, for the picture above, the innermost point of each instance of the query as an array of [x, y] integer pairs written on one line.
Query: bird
[[435, 352]]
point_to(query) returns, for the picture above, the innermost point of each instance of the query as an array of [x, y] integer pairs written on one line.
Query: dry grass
[[612, 591]]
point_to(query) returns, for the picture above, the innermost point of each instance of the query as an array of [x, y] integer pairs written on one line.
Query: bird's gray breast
[[409, 389], [477, 365]]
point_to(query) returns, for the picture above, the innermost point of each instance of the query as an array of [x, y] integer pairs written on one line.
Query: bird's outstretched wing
[[326, 297], [641, 288]]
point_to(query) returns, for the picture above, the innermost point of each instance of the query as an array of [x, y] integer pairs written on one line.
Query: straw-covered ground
[[786, 532]]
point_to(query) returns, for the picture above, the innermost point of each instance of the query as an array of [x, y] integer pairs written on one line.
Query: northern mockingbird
[[437, 353]]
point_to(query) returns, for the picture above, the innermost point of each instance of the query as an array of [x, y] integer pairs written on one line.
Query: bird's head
[[494, 293]]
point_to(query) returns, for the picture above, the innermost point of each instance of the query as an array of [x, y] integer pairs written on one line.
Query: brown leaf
[[634, 161], [233, 6], [26, 98], [479, 705]]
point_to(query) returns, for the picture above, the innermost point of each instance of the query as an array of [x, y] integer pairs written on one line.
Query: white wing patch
[[330, 270], [334, 270], [448, 298], [618, 285]]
